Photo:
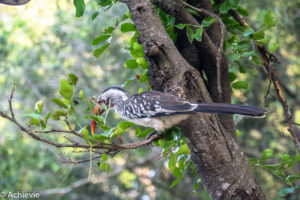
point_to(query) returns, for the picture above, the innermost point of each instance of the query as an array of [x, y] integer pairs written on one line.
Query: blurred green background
[[42, 42]]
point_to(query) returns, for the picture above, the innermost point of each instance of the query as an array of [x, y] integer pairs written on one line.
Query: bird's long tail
[[227, 108]]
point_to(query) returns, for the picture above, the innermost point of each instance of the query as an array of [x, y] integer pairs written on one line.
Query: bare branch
[[114, 148], [81, 161], [282, 100], [13, 88], [267, 58], [100, 178]]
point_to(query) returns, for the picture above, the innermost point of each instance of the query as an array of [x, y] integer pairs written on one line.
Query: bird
[[161, 111]]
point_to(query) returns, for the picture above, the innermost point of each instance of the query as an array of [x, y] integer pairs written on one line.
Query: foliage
[[70, 45]]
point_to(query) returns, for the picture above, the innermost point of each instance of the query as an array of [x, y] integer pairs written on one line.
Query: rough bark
[[219, 161], [207, 53]]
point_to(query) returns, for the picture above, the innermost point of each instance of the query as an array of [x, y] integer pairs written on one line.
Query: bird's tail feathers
[[227, 108]]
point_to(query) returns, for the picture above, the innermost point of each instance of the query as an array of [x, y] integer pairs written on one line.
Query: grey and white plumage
[[162, 110]]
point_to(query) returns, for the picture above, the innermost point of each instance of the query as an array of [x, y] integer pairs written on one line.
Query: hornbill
[[161, 110]]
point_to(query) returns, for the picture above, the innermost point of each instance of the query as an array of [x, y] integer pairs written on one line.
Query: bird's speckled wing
[[154, 103]]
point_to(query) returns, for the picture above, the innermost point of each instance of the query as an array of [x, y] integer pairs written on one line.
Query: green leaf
[[196, 186], [94, 15], [240, 85], [47, 117], [193, 12], [225, 7], [184, 149], [108, 30], [34, 115], [125, 124], [253, 161], [73, 78], [131, 64], [172, 161], [138, 47], [144, 133], [273, 47], [198, 34], [140, 90], [242, 69], [59, 102], [264, 41], [190, 33], [98, 52], [267, 154], [242, 11], [269, 19], [138, 132], [127, 27], [171, 22], [39, 107], [103, 166], [80, 7], [248, 31], [243, 45], [234, 4], [144, 77], [258, 35], [233, 56], [100, 138], [81, 94], [100, 39], [175, 182], [128, 81], [285, 191], [176, 172], [142, 61], [297, 187], [208, 21], [104, 3], [60, 113], [232, 76], [292, 178], [85, 134], [65, 89], [104, 157], [248, 54], [180, 26], [108, 168]]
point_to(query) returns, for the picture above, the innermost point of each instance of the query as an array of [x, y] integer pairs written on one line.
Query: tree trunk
[[219, 161]]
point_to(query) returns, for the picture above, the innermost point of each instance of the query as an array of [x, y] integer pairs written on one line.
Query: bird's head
[[112, 95]]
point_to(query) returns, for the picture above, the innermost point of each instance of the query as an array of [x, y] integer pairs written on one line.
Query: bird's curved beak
[[97, 111]]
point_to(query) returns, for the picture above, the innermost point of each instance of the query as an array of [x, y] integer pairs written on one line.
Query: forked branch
[[112, 148]]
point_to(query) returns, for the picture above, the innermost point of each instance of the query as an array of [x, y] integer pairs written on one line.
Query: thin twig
[[13, 88], [221, 43], [71, 140], [112, 148], [282, 100], [81, 161], [268, 91], [268, 57]]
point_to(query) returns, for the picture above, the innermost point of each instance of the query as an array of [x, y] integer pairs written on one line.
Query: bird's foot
[[160, 135]]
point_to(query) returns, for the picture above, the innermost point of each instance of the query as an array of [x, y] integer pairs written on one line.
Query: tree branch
[[267, 58], [221, 42], [97, 178], [98, 145]]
